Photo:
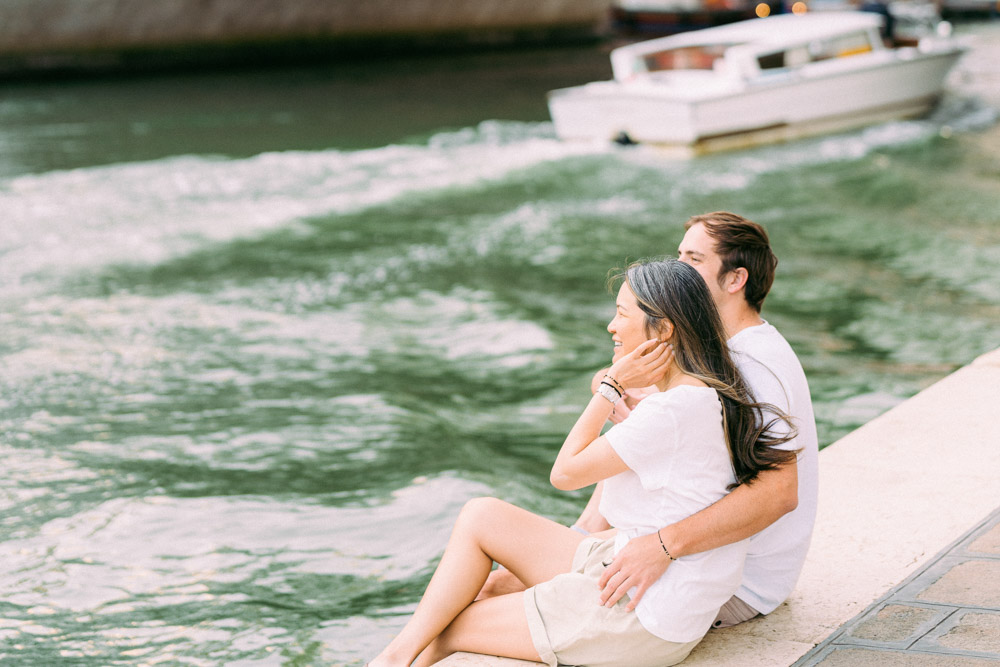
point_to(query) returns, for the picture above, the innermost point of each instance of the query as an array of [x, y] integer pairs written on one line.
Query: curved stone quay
[[904, 567]]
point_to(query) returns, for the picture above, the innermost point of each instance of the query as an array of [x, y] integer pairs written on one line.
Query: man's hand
[[640, 563]]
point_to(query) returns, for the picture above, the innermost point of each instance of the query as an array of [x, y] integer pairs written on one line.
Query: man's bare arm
[[747, 510]]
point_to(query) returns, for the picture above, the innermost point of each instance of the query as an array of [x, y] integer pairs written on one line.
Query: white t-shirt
[[776, 554], [675, 448]]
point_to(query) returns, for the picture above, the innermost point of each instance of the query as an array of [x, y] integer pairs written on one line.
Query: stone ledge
[[892, 494], [988, 359]]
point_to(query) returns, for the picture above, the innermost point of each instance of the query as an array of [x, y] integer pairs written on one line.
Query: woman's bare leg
[[500, 582], [497, 626], [534, 548]]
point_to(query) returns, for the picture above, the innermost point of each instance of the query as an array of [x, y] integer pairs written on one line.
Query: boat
[[757, 81]]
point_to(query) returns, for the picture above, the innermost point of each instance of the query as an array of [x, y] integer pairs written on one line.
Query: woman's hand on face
[[644, 366]]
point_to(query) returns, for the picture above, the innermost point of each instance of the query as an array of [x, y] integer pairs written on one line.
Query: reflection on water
[[245, 391]]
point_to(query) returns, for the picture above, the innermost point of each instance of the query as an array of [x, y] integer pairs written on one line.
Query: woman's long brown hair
[[674, 291]]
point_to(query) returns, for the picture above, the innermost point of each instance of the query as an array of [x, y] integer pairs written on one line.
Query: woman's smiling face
[[628, 328]]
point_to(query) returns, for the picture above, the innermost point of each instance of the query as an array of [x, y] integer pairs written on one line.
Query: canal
[[264, 332]]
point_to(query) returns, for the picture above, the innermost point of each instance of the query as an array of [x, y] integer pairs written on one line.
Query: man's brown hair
[[741, 243]]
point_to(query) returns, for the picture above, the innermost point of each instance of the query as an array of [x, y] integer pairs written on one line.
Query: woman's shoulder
[[684, 395]]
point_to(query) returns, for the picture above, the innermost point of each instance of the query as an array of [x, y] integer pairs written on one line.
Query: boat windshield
[[685, 57], [841, 46]]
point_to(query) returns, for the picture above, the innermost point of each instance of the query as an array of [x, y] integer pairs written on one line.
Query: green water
[[265, 332]]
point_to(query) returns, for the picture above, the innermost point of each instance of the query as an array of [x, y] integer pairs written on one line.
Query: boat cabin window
[[688, 57], [779, 59], [841, 46]]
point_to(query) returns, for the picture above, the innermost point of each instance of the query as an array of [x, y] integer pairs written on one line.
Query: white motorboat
[[757, 81]]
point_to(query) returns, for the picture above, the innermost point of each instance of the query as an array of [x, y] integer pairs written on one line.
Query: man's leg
[[733, 613]]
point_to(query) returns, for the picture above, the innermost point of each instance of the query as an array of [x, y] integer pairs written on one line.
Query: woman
[[679, 451]]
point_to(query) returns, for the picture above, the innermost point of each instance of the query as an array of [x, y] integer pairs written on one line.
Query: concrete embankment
[[893, 494], [48, 35]]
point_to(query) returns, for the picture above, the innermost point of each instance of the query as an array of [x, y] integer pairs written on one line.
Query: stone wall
[[31, 30]]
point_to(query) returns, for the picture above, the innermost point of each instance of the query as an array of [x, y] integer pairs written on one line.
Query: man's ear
[[736, 280]]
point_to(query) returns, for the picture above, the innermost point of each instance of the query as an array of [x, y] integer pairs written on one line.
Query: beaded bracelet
[[618, 385], [664, 546]]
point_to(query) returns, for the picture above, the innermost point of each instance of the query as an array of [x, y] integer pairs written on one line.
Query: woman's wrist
[[612, 381], [609, 391]]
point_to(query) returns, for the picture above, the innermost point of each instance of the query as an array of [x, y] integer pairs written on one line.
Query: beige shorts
[[569, 626]]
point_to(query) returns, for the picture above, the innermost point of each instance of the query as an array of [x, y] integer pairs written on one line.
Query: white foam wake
[[146, 212]]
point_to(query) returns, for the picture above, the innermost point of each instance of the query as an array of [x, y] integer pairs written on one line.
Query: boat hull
[[776, 108]]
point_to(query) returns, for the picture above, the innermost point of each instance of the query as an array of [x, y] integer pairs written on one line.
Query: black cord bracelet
[[664, 546], [613, 388], [617, 384]]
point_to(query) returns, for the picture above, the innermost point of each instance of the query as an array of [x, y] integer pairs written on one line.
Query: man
[[777, 510]]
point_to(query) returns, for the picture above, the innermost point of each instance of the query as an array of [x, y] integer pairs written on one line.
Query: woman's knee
[[479, 510]]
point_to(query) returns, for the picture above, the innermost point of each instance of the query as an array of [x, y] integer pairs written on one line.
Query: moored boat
[[757, 81]]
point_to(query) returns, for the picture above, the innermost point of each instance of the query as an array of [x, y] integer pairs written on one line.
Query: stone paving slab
[[987, 543], [837, 656], [966, 631], [965, 582], [895, 625], [946, 613]]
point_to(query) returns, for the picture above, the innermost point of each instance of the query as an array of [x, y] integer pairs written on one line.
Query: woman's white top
[[674, 445]]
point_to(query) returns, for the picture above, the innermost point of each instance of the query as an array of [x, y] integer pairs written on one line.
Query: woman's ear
[[666, 331]]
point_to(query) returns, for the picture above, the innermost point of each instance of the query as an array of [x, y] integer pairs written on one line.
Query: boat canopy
[[786, 40]]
